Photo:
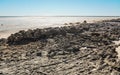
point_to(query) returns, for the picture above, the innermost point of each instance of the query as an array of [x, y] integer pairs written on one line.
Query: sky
[[59, 7]]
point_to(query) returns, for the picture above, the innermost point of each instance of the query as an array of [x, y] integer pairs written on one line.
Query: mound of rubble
[[83, 49]]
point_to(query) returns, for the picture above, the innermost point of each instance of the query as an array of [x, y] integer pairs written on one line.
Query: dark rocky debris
[[83, 49]]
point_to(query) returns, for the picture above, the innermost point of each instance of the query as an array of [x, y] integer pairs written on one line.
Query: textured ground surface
[[85, 49]]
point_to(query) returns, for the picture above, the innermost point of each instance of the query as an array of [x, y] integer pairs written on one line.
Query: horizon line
[[57, 16]]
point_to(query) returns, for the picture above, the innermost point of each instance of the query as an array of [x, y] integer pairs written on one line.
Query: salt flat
[[11, 25]]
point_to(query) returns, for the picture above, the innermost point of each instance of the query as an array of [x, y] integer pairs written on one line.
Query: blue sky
[[59, 7]]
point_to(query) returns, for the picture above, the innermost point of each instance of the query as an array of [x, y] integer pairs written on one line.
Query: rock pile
[[85, 49], [102, 30], [113, 20]]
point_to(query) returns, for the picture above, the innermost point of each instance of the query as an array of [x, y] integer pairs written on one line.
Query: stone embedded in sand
[[65, 24], [2, 41], [71, 23], [84, 21], [39, 54], [95, 34], [73, 49], [77, 23]]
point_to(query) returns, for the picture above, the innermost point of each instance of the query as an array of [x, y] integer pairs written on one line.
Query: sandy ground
[[5, 34], [12, 25], [118, 48]]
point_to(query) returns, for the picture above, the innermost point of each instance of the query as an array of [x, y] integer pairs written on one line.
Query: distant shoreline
[[59, 16], [24, 23]]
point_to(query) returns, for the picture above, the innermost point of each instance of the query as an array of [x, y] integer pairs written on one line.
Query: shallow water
[[9, 25]]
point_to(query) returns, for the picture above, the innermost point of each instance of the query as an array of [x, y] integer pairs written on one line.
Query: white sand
[[5, 34], [118, 51], [14, 24], [118, 48]]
